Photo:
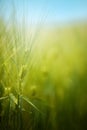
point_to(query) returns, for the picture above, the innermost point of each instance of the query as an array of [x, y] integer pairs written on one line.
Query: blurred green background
[[43, 66]]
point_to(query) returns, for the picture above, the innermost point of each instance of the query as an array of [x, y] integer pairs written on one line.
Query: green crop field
[[43, 76]]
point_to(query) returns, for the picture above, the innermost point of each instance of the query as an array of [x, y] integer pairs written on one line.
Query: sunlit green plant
[[46, 86]]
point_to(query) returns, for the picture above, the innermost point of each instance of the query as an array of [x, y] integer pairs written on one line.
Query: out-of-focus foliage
[[50, 69]]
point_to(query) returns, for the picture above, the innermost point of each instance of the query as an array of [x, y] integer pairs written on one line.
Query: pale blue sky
[[48, 11]]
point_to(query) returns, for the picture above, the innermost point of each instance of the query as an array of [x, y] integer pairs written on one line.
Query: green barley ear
[[22, 72]]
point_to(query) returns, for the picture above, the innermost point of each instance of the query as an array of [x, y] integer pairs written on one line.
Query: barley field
[[43, 76]]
